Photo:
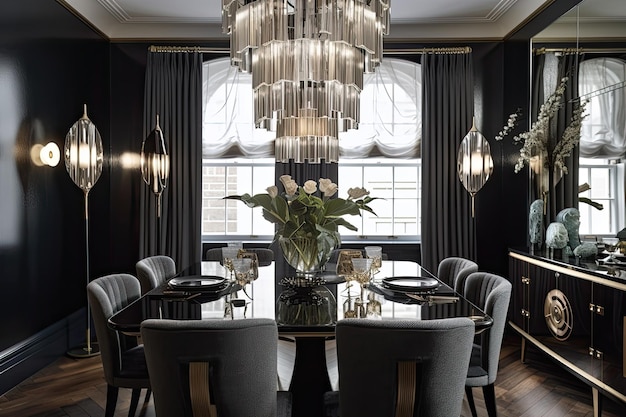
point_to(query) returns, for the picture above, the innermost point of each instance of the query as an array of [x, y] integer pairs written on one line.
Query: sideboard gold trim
[[573, 272], [569, 365]]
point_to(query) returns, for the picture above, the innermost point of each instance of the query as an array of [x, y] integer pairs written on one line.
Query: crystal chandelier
[[307, 59]]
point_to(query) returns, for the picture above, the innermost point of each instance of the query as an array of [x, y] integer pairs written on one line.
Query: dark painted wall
[[50, 65], [128, 64], [502, 86]]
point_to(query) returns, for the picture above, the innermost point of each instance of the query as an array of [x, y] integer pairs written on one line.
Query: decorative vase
[[535, 225], [307, 255], [546, 179], [305, 302]]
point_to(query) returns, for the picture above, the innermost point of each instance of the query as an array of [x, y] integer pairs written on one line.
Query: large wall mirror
[[587, 45]]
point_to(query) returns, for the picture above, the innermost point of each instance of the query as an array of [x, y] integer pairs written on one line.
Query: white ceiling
[[597, 19], [414, 19]]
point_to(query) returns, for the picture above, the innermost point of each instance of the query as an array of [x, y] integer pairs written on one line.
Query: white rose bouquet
[[298, 211], [307, 225]]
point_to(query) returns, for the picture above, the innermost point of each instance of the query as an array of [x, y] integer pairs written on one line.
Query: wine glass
[[610, 245], [228, 255], [376, 254], [362, 272], [242, 268], [374, 306], [353, 308], [235, 244]]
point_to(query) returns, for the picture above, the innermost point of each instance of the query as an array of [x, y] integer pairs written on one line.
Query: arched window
[[603, 144], [382, 155], [604, 129]]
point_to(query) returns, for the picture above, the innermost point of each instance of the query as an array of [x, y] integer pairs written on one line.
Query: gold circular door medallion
[[558, 314]]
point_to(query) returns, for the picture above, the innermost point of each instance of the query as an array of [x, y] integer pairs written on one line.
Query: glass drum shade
[[307, 60], [83, 153], [474, 162], [155, 162]]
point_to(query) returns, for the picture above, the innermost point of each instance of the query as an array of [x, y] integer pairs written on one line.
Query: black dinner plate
[[410, 284], [199, 282]]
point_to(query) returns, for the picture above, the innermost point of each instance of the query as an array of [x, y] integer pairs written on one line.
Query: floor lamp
[[155, 169], [83, 162]]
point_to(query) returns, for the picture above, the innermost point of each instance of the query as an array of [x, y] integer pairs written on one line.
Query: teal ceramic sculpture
[[535, 223], [570, 217], [556, 236]]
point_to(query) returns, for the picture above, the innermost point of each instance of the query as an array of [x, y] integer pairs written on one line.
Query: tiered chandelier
[[307, 59]]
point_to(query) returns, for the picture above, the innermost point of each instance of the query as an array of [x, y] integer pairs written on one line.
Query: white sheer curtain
[[604, 129], [390, 125], [227, 114], [391, 113]]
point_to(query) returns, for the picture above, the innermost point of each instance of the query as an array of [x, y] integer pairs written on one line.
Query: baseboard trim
[[24, 359]]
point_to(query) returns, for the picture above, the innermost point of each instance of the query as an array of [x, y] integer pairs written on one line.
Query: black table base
[[310, 379]]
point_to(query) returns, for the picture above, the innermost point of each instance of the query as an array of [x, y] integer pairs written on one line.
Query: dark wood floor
[[76, 387]]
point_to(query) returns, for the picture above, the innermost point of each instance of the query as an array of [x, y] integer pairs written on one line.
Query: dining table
[[306, 310]]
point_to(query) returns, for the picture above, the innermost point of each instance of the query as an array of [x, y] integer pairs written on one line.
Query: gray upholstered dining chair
[[492, 294], [264, 255], [214, 367], [401, 367], [213, 254], [453, 270], [154, 270], [123, 360]]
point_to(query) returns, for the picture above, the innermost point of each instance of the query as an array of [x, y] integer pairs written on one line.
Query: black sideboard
[[574, 311]]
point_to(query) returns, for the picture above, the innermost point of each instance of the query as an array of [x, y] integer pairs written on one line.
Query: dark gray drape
[[447, 106], [304, 172], [173, 90], [537, 93], [537, 98], [566, 190]]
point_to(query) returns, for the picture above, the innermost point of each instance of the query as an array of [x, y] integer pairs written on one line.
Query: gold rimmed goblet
[[362, 273], [228, 255], [242, 268]]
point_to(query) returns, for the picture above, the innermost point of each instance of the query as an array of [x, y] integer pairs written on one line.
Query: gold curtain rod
[[446, 50], [171, 49], [539, 51], [451, 50]]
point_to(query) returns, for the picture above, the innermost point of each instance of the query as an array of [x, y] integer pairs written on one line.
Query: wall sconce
[[474, 162], [155, 167], [83, 162], [48, 154]]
